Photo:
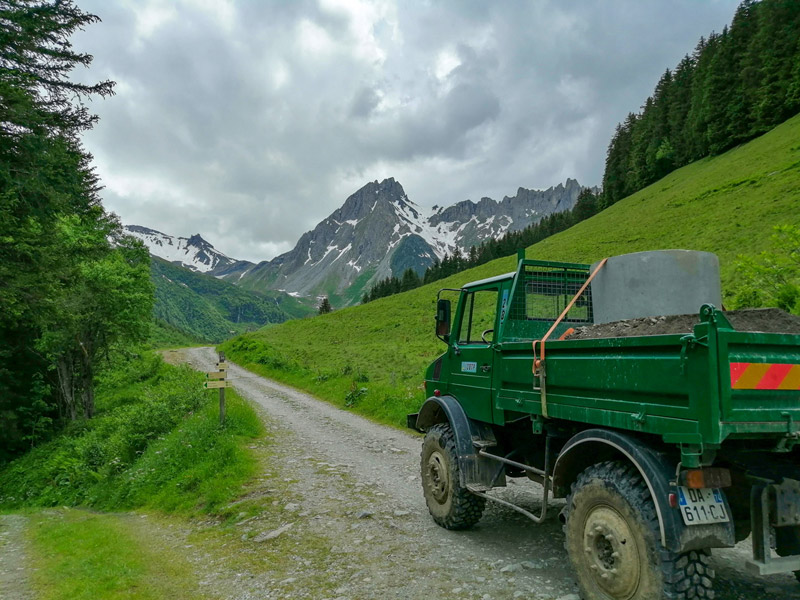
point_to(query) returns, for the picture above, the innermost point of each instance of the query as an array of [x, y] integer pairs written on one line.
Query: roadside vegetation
[[112, 504], [163, 335], [73, 287], [155, 442], [773, 277], [371, 358]]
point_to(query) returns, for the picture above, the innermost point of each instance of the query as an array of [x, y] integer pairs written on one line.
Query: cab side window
[[480, 308]]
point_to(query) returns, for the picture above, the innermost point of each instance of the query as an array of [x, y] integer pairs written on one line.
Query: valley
[[306, 191], [727, 204]]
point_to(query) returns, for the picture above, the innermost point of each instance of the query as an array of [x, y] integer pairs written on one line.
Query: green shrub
[[155, 441]]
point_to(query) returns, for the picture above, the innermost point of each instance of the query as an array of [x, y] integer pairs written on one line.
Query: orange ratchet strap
[[538, 362]]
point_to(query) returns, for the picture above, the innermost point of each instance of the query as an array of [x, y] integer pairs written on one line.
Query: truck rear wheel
[[612, 538], [451, 505]]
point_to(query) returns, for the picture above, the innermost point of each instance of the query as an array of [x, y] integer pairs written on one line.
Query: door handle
[[486, 368]]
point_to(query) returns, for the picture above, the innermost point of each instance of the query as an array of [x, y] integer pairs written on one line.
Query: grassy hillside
[[164, 335], [372, 357], [205, 308]]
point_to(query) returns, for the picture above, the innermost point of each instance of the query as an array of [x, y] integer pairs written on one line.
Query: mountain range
[[194, 253], [377, 232]]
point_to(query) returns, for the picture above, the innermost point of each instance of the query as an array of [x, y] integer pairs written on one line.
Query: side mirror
[[443, 319]]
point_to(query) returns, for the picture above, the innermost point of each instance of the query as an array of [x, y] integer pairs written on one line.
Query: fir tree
[[325, 306]]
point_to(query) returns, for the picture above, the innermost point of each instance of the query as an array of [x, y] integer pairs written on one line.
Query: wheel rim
[[611, 552], [438, 477]]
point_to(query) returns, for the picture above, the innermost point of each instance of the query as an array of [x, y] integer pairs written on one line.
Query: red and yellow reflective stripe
[[765, 376]]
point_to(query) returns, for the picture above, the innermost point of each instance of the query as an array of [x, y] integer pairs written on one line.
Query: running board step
[[784, 564], [483, 444], [511, 463], [478, 490]]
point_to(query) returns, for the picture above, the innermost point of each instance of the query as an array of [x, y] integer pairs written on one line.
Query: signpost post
[[223, 368], [217, 380]]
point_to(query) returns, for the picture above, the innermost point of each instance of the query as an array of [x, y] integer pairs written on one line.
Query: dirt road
[[13, 572], [360, 488]]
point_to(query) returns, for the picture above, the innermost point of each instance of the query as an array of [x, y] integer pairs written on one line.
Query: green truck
[[665, 445]]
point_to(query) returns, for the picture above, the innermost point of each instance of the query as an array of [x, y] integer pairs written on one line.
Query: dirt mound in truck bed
[[768, 320]]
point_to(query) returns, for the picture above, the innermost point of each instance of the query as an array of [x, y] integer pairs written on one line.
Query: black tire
[[787, 543], [451, 505], [613, 541]]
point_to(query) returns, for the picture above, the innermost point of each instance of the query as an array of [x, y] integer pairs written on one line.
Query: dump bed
[[699, 387]]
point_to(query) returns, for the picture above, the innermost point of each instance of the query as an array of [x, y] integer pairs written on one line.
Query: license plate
[[700, 506]]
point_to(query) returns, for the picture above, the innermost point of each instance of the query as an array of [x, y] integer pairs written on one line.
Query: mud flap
[[773, 505], [474, 470]]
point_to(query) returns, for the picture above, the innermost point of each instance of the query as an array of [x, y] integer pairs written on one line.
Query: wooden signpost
[[216, 380]]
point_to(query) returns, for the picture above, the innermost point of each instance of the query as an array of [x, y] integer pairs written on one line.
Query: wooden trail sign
[[216, 380], [210, 385]]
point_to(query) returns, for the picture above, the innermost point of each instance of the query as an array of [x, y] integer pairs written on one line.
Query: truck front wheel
[[451, 505], [613, 542]]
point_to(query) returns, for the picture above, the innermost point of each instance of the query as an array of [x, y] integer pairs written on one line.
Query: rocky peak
[[378, 231], [197, 240], [366, 200]]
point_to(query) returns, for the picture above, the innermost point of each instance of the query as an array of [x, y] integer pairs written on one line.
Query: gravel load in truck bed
[[767, 320]]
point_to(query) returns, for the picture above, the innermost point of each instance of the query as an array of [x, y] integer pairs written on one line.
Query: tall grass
[[155, 442], [88, 556]]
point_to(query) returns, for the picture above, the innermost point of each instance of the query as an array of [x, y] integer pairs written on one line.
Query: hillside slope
[[209, 309], [726, 204]]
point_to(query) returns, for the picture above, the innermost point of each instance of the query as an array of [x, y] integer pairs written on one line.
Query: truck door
[[473, 354]]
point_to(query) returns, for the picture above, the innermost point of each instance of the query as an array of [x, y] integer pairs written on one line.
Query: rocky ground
[[354, 523]]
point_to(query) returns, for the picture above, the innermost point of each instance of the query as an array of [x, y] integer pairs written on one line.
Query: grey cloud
[[364, 102], [250, 138]]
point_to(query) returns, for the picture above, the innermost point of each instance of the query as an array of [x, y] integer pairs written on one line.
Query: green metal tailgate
[[759, 375]]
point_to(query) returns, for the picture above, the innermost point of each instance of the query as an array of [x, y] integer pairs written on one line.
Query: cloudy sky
[[250, 121]]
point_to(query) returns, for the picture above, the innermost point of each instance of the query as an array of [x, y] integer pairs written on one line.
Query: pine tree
[[67, 293], [746, 72], [325, 306], [720, 85], [585, 205], [410, 280], [679, 103]]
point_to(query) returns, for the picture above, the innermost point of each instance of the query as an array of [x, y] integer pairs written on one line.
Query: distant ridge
[[379, 231], [193, 253]]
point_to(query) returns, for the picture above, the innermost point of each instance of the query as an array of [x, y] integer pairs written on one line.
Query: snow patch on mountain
[[193, 252]]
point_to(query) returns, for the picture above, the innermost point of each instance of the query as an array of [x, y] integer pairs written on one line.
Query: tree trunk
[[66, 383], [87, 386]]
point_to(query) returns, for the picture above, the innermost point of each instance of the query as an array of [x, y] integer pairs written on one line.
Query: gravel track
[[14, 584], [359, 485]]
